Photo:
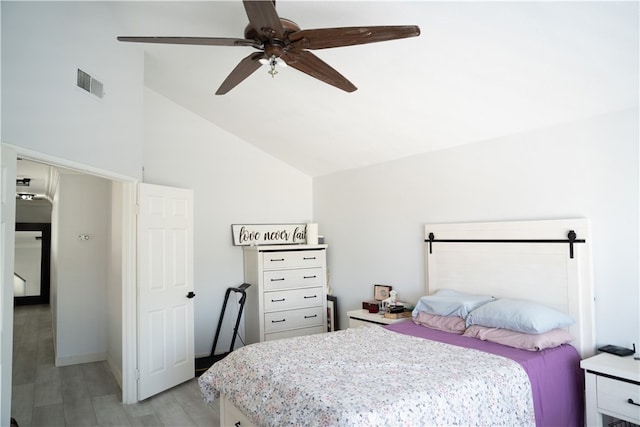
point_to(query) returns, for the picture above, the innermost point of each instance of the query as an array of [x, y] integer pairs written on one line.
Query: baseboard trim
[[117, 373], [85, 358]]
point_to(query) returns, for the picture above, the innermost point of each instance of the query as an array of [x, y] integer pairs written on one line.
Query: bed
[[412, 374]]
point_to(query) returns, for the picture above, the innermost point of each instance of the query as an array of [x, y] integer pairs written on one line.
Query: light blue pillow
[[519, 315], [449, 302]]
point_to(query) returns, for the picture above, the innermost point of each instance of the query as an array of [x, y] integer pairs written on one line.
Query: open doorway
[[73, 208], [90, 273]]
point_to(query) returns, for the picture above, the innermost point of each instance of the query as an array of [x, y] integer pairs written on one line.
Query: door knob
[[190, 295]]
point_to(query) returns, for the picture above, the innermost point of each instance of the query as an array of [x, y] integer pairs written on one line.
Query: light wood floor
[[87, 394]]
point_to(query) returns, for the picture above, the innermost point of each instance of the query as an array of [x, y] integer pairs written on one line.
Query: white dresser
[[288, 292]]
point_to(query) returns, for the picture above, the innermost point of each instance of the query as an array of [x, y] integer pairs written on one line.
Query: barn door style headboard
[[543, 261]]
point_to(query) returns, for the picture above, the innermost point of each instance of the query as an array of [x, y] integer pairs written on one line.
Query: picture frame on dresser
[[332, 313], [381, 292]]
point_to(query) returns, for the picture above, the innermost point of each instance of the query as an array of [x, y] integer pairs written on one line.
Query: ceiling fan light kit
[[272, 62], [280, 42]]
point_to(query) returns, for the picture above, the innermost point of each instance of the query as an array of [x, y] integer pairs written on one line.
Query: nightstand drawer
[[614, 395], [290, 299], [359, 318], [302, 318], [287, 279], [293, 259]]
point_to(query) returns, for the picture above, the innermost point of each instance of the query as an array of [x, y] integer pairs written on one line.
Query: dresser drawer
[[613, 396], [292, 259], [287, 279], [295, 333], [293, 319], [291, 299]]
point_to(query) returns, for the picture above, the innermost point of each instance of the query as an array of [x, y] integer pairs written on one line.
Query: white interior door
[[7, 233], [165, 288]]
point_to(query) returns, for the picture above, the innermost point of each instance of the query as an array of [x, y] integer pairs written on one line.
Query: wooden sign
[[269, 234]]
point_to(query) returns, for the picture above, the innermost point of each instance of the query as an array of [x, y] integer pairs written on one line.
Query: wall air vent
[[90, 84]]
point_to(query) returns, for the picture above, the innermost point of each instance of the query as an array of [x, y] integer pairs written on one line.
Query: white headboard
[[534, 260]]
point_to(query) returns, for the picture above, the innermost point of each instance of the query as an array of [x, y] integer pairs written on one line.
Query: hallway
[[86, 394]]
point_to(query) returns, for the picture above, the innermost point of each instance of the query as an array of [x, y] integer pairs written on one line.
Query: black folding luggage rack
[[204, 363]]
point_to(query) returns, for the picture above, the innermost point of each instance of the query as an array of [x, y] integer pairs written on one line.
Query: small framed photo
[[381, 292], [332, 313]]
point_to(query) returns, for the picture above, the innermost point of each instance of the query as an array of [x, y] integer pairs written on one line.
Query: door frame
[[129, 274], [45, 263], [7, 251]]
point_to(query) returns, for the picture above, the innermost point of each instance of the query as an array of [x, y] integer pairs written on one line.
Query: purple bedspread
[[557, 382]]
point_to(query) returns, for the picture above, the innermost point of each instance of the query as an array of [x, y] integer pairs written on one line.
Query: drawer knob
[[309, 277], [632, 402], [277, 300], [310, 296], [309, 257], [277, 280], [276, 259], [315, 315], [278, 321]]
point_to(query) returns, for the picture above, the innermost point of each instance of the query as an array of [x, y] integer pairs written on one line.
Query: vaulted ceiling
[[479, 70]]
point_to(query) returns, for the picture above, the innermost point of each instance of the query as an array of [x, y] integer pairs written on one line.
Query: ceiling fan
[[281, 40]]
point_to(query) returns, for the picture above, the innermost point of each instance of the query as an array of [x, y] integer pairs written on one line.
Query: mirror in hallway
[[32, 262]]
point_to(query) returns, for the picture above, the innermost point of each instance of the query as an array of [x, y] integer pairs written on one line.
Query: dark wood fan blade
[[244, 69], [264, 18], [310, 64], [205, 41], [323, 38]]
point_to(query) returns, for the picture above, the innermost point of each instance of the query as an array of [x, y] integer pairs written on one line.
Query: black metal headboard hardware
[[571, 239]]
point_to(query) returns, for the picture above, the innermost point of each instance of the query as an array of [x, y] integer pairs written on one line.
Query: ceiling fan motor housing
[[272, 46]]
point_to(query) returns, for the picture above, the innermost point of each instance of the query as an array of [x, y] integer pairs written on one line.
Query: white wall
[[43, 45], [373, 217], [82, 207], [233, 183]]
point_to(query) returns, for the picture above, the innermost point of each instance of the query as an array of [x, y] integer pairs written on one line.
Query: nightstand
[[361, 317], [612, 388]]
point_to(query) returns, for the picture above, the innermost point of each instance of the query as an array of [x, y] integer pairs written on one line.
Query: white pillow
[[449, 302], [519, 315]]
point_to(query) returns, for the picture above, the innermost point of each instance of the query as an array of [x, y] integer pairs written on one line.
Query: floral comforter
[[370, 376]]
